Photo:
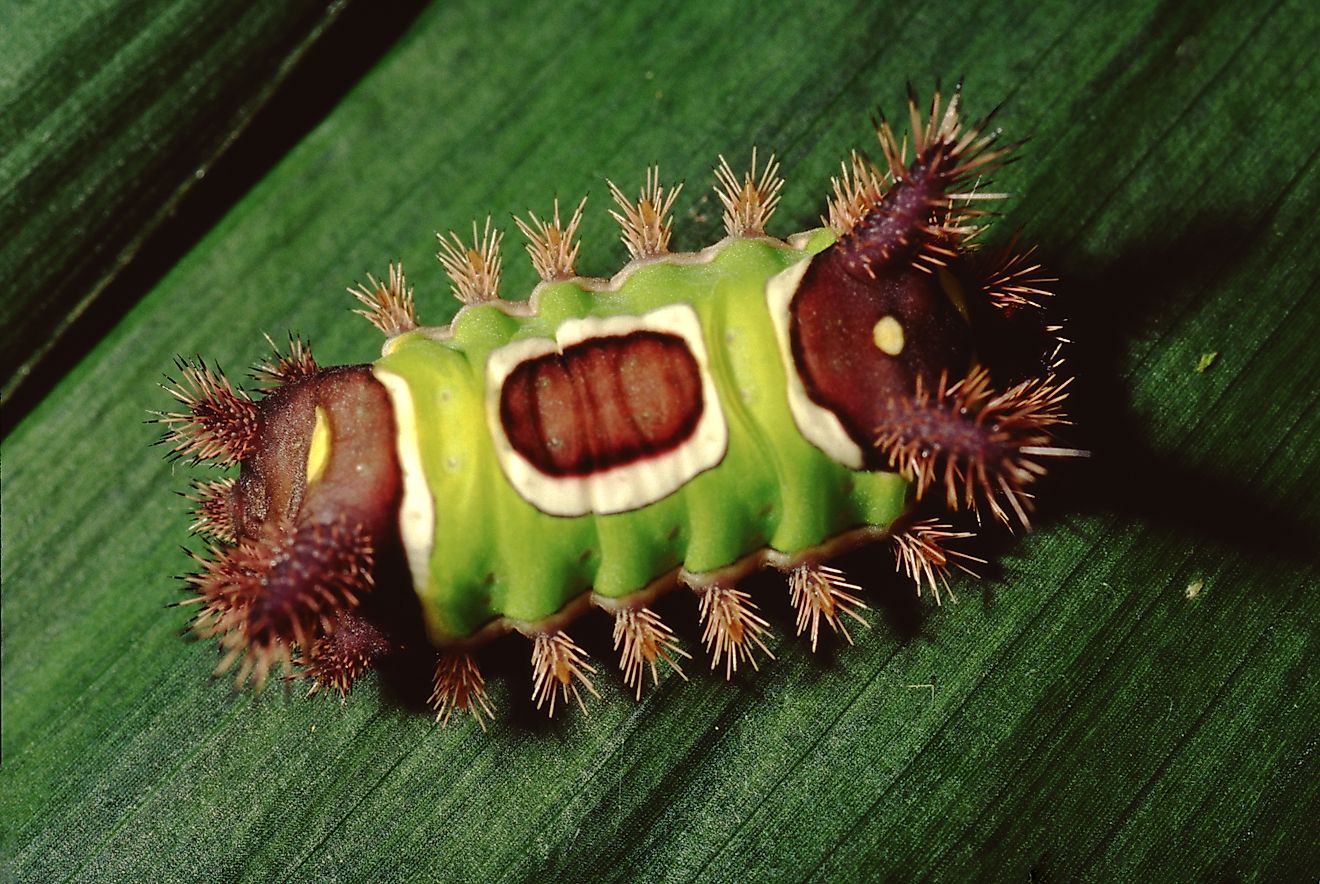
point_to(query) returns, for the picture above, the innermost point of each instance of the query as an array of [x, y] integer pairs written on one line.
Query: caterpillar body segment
[[610, 438], [695, 418]]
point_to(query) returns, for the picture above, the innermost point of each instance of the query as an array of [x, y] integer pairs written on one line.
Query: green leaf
[[1132, 696], [112, 112]]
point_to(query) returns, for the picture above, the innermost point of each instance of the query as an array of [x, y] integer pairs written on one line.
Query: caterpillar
[[761, 403]]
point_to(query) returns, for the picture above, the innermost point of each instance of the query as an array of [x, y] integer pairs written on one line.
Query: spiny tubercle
[[897, 225]]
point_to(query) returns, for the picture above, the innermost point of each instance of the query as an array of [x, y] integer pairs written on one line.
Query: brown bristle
[[731, 628], [474, 270], [1017, 280], [949, 232], [959, 153], [820, 592], [856, 190], [221, 423], [211, 589], [1058, 353], [558, 665], [749, 203], [219, 588], [646, 224], [643, 639], [983, 446], [312, 575], [389, 304], [213, 515], [266, 595], [924, 216], [552, 246], [285, 368], [337, 658], [923, 553], [255, 662], [459, 686]]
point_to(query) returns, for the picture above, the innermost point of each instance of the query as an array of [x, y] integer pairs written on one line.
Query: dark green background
[[187, 175]]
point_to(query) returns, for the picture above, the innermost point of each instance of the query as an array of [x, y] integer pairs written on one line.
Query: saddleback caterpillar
[[761, 403]]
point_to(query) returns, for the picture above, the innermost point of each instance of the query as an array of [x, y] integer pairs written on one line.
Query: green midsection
[[497, 555]]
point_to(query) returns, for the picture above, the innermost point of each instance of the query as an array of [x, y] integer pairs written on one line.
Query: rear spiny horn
[[338, 658], [283, 589], [981, 445], [922, 214]]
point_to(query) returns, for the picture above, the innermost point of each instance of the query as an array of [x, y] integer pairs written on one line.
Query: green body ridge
[[496, 555]]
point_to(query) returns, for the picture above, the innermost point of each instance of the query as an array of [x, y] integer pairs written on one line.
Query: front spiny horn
[[221, 422], [280, 368]]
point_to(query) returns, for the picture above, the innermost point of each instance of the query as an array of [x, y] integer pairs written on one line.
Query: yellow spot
[[318, 454], [1194, 589], [888, 335]]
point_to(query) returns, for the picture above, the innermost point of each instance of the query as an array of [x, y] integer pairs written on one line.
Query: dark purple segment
[[831, 327], [310, 552], [361, 483], [603, 403], [890, 232]]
